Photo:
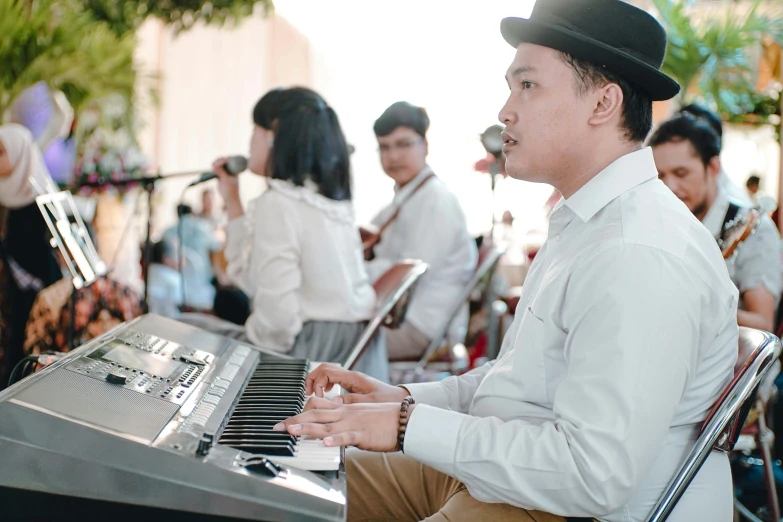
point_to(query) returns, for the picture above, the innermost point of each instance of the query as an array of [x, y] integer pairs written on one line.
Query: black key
[[282, 451]]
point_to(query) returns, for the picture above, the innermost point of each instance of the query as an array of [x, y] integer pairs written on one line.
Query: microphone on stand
[[234, 166]]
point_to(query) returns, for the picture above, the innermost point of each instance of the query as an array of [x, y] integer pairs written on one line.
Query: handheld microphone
[[234, 166]]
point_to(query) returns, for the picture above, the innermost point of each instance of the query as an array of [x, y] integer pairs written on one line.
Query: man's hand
[[371, 427], [361, 388]]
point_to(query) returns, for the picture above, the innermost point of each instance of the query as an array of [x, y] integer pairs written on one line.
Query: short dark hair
[[685, 126], [309, 142], [184, 210], [161, 250], [402, 114], [707, 115], [637, 107], [753, 181]]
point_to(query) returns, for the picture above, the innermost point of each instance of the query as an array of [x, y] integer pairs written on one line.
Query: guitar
[[738, 230]]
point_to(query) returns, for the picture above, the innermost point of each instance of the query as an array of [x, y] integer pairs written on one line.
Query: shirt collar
[[403, 192], [713, 220], [618, 178]]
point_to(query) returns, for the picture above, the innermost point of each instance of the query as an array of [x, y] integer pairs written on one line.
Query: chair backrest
[[758, 351], [393, 292], [488, 258]]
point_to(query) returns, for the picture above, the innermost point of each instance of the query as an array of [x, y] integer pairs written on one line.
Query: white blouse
[[298, 255]]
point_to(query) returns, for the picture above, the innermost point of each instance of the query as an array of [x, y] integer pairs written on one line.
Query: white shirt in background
[[756, 261], [431, 226], [298, 255], [624, 337], [165, 287]]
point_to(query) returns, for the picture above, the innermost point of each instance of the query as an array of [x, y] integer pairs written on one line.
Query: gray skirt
[[319, 341]]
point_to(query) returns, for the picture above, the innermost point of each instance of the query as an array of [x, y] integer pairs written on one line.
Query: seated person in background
[[430, 225], [28, 259], [686, 150], [99, 308], [216, 227], [753, 187], [199, 238], [296, 251], [199, 244], [165, 283], [725, 183]]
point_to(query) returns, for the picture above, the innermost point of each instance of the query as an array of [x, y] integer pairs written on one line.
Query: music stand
[[74, 243]]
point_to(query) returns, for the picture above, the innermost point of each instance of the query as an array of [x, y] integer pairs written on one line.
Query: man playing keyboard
[[626, 332]]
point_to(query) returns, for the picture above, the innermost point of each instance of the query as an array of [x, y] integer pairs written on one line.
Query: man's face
[[403, 154], [545, 117], [207, 204], [682, 170]]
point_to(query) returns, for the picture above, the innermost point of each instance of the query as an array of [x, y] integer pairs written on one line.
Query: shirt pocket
[[528, 366]]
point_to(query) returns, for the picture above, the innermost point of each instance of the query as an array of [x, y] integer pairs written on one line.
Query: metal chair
[[488, 258], [393, 291], [758, 351]]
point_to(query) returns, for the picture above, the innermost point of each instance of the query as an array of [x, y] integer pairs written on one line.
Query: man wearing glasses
[[429, 225]]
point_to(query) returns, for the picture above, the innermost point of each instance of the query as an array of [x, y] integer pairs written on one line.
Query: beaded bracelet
[[406, 402]]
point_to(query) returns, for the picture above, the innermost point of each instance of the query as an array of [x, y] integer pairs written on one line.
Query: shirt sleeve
[[759, 260], [456, 392], [631, 325], [276, 318]]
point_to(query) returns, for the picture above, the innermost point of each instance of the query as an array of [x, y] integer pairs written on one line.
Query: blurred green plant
[[127, 15], [711, 52], [85, 49], [60, 44]]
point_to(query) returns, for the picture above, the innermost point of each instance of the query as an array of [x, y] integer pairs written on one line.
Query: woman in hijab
[[28, 260]]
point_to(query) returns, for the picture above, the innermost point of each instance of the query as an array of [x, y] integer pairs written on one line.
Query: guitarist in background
[[686, 150], [424, 221]]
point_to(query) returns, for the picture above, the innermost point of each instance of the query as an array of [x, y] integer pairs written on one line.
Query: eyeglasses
[[402, 146]]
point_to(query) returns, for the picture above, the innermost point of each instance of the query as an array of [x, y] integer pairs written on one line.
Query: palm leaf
[[710, 53]]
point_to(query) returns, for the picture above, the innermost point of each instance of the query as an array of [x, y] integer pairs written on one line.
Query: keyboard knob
[[204, 445], [264, 467], [116, 378]]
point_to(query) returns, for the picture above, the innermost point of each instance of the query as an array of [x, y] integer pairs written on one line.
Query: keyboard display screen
[[140, 360]]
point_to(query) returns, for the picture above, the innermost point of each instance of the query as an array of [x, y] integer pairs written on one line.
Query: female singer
[[296, 250], [28, 262]]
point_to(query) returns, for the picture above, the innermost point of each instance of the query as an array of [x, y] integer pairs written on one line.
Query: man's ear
[[713, 167], [607, 104]]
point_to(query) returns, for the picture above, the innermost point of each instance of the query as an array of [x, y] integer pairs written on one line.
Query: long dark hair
[[309, 143]]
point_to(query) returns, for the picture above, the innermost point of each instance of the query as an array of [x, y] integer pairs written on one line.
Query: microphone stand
[[148, 184]]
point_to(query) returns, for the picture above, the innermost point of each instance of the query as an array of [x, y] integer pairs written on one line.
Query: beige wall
[[210, 79]]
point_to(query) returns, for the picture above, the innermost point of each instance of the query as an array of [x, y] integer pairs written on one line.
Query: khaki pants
[[405, 343], [393, 486]]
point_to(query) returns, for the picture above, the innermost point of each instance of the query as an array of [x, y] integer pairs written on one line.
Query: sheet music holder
[[74, 243]]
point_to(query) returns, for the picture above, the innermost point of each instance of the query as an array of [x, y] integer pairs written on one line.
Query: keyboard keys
[[274, 392]]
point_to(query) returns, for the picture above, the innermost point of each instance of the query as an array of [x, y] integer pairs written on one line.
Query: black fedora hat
[[624, 39]]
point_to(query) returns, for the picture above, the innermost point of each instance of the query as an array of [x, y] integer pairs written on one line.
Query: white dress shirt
[[624, 337], [298, 255], [431, 226], [756, 261]]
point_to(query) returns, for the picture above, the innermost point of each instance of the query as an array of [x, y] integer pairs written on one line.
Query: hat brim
[[646, 78]]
